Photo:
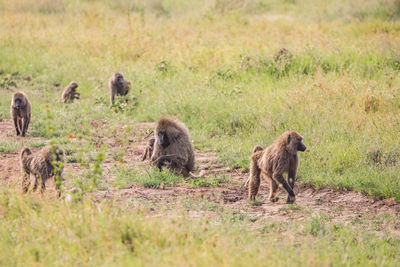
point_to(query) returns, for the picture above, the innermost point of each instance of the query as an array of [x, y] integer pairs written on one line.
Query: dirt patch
[[340, 205]]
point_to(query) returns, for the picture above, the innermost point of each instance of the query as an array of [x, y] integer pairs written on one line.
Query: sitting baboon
[[21, 111], [172, 147], [279, 158], [38, 167], [118, 86], [70, 94]]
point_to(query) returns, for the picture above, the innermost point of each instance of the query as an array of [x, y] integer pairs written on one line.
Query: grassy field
[[211, 64]]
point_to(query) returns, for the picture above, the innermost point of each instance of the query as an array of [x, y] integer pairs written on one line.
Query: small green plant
[[125, 104], [208, 181], [316, 225], [8, 146]]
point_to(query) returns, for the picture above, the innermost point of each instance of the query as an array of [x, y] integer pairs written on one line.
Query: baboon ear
[[288, 139]]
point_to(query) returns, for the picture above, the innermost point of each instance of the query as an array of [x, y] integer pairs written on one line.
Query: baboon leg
[[20, 125], [146, 152], [16, 125], [25, 182], [112, 98], [42, 185], [291, 180], [35, 183], [254, 180], [280, 179], [25, 128], [173, 160], [272, 191]]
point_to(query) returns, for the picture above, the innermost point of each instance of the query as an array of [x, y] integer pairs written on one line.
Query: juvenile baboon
[[21, 111], [172, 147], [118, 86], [283, 55], [255, 149], [148, 151], [279, 158], [70, 94], [38, 167]]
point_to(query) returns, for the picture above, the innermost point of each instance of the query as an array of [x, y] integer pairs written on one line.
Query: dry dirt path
[[340, 205]]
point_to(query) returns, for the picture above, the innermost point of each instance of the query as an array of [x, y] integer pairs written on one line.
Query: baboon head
[[19, 100], [119, 80], [257, 148], [294, 142], [167, 132], [73, 85], [25, 152]]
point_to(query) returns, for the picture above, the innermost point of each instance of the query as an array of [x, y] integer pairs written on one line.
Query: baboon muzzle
[[302, 147]]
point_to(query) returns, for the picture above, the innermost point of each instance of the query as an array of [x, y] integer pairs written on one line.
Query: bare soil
[[343, 205]]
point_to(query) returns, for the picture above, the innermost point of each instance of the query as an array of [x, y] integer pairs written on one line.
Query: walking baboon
[[21, 111], [118, 86], [279, 158], [70, 94], [148, 151], [38, 167], [172, 147]]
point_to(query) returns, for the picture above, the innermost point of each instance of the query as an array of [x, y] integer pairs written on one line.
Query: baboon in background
[[118, 86], [149, 148], [172, 147], [283, 55], [21, 111], [38, 167], [70, 94], [279, 158]]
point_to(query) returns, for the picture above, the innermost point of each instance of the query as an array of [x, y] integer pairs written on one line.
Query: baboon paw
[[290, 199], [274, 199]]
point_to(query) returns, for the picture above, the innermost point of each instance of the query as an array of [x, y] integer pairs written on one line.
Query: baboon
[[38, 167], [70, 94], [149, 148], [172, 147], [21, 111], [118, 86], [283, 55], [255, 149], [279, 158]]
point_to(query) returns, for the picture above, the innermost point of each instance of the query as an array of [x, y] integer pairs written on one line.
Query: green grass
[[36, 231], [340, 88], [211, 64], [151, 178]]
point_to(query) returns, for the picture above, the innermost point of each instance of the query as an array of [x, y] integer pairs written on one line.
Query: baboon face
[[295, 142], [18, 101], [73, 85], [163, 139]]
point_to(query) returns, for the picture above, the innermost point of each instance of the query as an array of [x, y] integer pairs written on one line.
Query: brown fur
[[21, 111], [255, 149], [178, 154], [279, 158], [118, 86], [38, 167], [70, 94], [283, 55], [148, 151]]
